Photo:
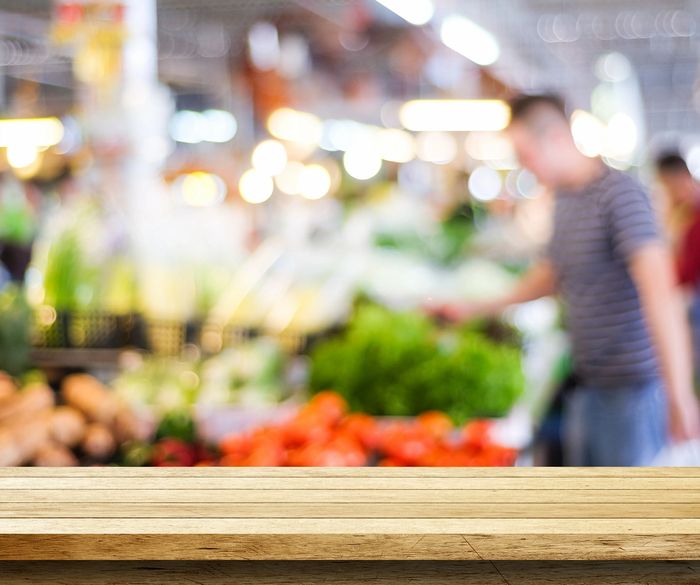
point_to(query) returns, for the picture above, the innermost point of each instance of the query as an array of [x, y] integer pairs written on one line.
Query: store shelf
[[405, 514], [76, 358]]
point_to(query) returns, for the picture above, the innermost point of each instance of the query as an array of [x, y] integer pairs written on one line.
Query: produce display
[[15, 331], [86, 427], [250, 375], [323, 433], [402, 364]]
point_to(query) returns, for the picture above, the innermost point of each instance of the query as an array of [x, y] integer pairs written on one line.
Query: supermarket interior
[[275, 232]]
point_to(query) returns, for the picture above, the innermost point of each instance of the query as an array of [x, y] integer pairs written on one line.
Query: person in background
[[684, 218], [609, 264]]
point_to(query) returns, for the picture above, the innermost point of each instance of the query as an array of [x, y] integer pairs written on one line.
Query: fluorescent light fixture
[[470, 40], [35, 131], [454, 115], [418, 12]]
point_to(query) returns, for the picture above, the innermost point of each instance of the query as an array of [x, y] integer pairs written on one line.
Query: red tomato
[[389, 462], [173, 453], [305, 428], [407, 443], [330, 406], [436, 423], [363, 427], [236, 444], [477, 433]]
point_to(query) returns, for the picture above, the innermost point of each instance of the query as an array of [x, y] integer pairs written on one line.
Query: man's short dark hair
[[671, 163], [524, 105]]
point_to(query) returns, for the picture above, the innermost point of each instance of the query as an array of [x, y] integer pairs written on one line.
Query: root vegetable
[[26, 404], [91, 397], [132, 426], [19, 442], [99, 442], [7, 387], [68, 426], [52, 454]]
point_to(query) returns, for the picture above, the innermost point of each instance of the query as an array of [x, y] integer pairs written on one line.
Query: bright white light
[[622, 136], [396, 145], [188, 127], [269, 157], [344, 134], [255, 187], [693, 161], [526, 184], [485, 184], [288, 180], [220, 126], [588, 132], [437, 147], [200, 189], [294, 126], [454, 115], [36, 131], [314, 182], [264, 46], [22, 154], [362, 164], [416, 12], [613, 67], [470, 40], [488, 146]]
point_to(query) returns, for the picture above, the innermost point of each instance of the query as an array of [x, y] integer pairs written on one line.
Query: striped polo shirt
[[596, 231]]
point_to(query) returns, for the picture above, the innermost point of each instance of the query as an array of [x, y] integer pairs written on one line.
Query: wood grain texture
[[349, 514], [349, 573]]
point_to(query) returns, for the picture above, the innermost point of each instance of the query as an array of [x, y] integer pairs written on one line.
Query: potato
[[8, 388], [26, 404], [52, 454], [91, 397], [68, 426], [20, 441], [98, 442]]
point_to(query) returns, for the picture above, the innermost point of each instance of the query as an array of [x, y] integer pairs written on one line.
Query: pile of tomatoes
[[323, 433]]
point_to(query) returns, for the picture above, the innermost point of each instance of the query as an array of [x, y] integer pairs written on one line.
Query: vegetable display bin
[[51, 331], [96, 330]]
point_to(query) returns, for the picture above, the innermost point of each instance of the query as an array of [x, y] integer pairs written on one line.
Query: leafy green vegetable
[[63, 269], [177, 425], [17, 223], [15, 331], [400, 364]]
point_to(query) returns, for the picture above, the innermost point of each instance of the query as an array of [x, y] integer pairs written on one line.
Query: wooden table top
[[349, 514]]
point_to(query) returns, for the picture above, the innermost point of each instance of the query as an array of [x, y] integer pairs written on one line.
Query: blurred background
[[213, 210]]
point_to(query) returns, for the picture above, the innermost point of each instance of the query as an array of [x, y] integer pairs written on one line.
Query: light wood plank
[[351, 483], [141, 510], [279, 526], [355, 496], [402, 547]]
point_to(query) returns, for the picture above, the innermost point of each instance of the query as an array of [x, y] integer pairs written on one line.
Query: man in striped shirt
[[608, 262]]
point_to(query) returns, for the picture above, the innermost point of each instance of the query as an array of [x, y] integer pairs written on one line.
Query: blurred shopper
[[684, 207], [608, 262]]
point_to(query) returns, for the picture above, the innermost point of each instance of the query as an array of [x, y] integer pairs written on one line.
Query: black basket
[[96, 330], [165, 337]]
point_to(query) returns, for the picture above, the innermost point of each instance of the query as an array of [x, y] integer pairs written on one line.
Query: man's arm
[[652, 271], [538, 282]]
